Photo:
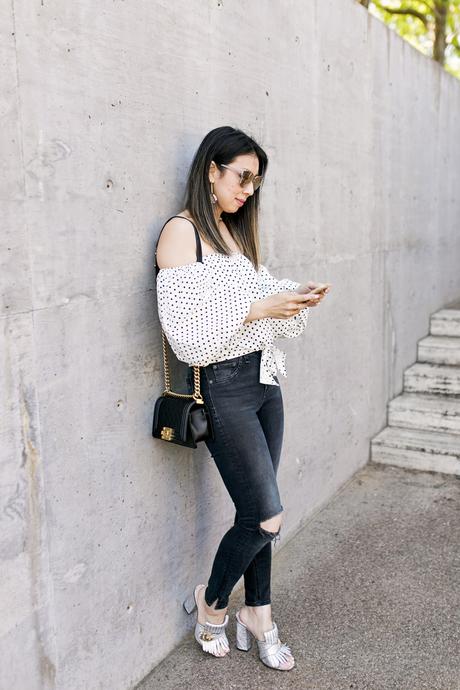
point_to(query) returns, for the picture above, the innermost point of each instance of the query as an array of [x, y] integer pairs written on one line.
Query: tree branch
[[413, 13]]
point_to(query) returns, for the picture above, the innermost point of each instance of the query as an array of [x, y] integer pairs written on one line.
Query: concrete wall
[[104, 531]]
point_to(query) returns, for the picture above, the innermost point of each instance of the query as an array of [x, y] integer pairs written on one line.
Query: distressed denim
[[248, 420]]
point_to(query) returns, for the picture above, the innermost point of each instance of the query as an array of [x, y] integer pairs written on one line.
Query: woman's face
[[227, 186]]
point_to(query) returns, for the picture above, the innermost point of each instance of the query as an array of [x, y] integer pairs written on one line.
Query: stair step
[[438, 349], [432, 378], [417, 449], [445, 322], [426, 412]]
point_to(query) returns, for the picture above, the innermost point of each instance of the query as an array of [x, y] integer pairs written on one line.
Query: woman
[[222, 312]]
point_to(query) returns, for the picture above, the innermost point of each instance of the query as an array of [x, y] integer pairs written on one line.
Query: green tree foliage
[[431, 26]]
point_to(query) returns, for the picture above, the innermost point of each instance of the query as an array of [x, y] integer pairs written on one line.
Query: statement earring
[[213, 196]]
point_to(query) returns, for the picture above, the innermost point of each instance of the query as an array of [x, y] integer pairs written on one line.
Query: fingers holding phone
[[314, 292]]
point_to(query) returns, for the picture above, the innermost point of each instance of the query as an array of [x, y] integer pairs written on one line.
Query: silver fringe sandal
[[271, 651], [211, 636]]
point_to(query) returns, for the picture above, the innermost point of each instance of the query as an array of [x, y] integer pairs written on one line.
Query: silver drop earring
[[213, 196]]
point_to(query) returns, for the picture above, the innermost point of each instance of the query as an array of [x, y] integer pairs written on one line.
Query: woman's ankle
[[258, 612], [265, 609], [214, 613], [216, 616]]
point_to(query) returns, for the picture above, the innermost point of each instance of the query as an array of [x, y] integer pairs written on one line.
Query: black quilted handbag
[[178, 417]]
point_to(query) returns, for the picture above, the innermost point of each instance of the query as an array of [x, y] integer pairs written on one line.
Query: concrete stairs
[[423, 431]]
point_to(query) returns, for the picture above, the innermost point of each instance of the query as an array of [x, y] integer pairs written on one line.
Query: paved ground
[[370, 596]]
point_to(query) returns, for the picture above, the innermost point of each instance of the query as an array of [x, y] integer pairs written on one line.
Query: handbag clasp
[[167, 433]]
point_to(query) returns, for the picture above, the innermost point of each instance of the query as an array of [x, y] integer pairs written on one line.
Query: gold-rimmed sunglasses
[[246, 176]]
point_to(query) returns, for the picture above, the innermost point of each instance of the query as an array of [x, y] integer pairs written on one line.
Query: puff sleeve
[[282, 328], [199, 314]]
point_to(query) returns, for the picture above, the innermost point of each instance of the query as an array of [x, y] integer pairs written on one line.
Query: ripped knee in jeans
[[271, 522]]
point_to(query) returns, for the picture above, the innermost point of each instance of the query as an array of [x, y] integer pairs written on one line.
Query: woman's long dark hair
[[222, 145]]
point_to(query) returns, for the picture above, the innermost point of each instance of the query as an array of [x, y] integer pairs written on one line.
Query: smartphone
[[319, 289]]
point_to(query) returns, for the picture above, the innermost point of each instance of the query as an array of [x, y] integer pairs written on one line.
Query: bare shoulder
[[177, 245]]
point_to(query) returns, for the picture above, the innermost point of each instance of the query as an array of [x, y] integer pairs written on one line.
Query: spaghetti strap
[[199, 251]]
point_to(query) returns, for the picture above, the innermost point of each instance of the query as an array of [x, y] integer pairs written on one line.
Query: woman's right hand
[[281, 305]]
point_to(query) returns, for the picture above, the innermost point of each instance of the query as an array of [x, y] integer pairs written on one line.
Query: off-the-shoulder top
[[202, 307]]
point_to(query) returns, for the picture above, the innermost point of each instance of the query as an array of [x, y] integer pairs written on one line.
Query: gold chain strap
[[196, 377]]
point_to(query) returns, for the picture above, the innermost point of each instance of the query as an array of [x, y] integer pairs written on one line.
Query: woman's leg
[[256, 499], [242, 455], [246, 449], [257, 576]]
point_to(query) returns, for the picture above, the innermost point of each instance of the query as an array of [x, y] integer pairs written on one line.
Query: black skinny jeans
[[248, 419]]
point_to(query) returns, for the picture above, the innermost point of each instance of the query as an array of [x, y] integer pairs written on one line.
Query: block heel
[[243, 636]]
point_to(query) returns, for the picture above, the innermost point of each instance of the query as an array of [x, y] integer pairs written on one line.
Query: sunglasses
[[246, 176]]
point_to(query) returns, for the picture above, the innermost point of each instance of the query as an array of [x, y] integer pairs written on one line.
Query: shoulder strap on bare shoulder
[[199, 251]]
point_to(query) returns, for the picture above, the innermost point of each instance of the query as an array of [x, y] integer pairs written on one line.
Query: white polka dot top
[[202, 307]]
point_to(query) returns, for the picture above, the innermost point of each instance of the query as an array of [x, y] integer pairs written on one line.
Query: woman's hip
[[247, 433]]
